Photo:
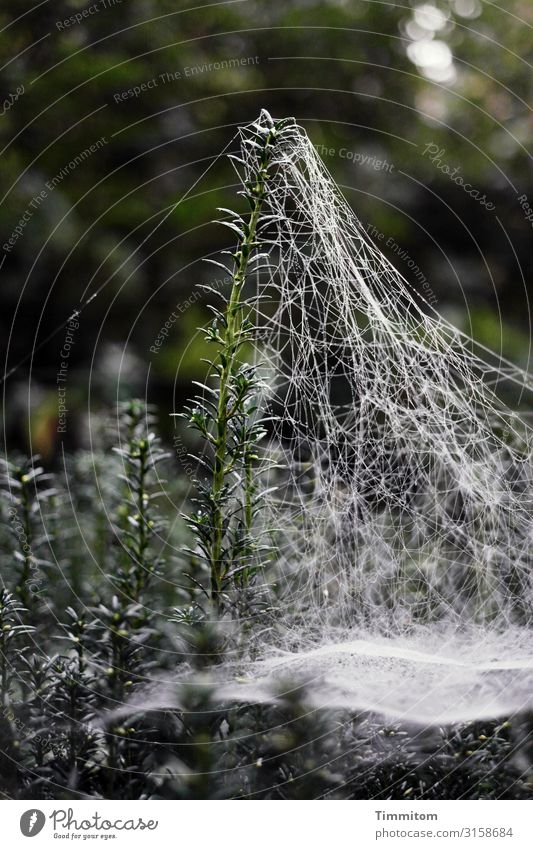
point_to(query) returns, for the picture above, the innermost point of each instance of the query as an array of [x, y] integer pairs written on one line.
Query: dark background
[[375, 79]]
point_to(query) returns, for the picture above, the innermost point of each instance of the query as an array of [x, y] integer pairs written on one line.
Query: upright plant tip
[[225, 415]]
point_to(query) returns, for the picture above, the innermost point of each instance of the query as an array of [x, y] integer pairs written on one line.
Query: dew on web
[[404, 509]]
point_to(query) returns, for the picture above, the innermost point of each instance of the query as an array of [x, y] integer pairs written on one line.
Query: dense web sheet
[[404, 513]]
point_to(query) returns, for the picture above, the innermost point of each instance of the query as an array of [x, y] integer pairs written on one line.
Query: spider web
[[404, 511]]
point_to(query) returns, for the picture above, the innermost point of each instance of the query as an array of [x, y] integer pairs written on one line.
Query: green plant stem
[[141, 568], [230, 345], [72, 727], [26, 569]]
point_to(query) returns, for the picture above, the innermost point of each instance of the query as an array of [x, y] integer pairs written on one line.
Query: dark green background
[[343, 69]]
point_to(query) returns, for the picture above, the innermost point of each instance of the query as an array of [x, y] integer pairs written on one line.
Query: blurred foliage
[[109, 664], [370, 79]]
